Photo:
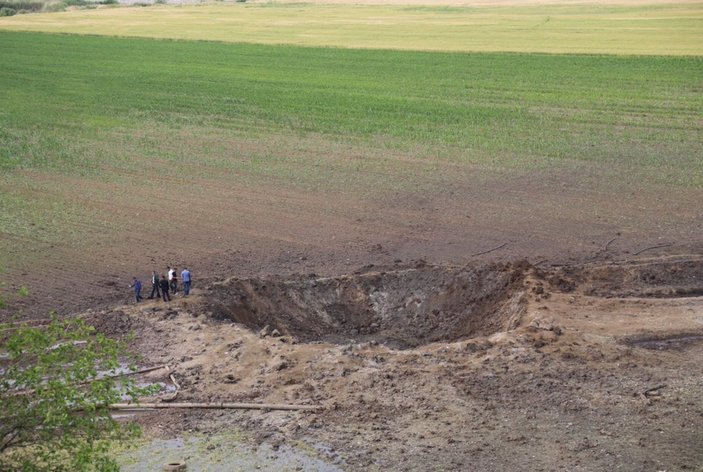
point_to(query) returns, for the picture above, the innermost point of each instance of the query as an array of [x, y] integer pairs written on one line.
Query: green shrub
[[54, 7], [56, 384], [62, 5], [6, 11], [17, 6]]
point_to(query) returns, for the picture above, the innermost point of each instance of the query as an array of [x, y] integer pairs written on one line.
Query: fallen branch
[[34, 323], [600, 251], [121, 374], [644, 396], [24, 324], [490, 250], [652, 247], [67, 343], [143, 371], [605, 248], [212, 405], [653, 389], [175, 394]]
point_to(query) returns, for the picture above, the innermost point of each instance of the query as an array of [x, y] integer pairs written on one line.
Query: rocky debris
[[546, 324], [496, 401], [230, 379]]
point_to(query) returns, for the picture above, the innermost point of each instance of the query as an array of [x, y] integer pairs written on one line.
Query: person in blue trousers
[[137, 286], [185, 280]]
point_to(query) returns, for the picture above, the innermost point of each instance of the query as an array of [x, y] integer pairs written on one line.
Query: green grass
[[656, 29], [86, 104], [96, 130], [87, 121]]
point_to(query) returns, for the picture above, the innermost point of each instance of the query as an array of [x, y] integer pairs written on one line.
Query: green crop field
[[93, 128], [100, 107], [70, 103], [663, 29]]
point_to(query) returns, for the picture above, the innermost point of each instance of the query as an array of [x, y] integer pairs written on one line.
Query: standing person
[[137, 285], [169, 273], [185, 278], [174, 280], [154, 285], [163, 283]]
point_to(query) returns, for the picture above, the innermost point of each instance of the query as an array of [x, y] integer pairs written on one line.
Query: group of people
[[163, 285]]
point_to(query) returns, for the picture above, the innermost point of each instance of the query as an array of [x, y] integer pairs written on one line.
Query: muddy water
[[677, 342], [223, 453]]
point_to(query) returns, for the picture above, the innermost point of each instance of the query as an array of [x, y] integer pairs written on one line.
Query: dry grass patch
[[665, 28]]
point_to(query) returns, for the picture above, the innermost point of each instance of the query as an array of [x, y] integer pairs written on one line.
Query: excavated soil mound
[[403, 308], [411, 306], [668, 278]]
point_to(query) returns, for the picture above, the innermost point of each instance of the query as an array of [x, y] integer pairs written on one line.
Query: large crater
[[402, 308]]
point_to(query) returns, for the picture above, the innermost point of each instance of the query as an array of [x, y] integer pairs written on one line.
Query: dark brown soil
[[401, 307], [454, 216]]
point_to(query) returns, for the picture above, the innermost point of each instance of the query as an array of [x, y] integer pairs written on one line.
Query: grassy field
[[101, 107], [70, 103], [656, 29]]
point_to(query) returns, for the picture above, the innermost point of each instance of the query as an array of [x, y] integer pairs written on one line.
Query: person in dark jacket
[[137, 286], [163, 283], [154, 285], [173, 280]]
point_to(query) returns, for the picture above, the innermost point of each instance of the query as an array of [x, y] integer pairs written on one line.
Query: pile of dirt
[[656, 278], [114, 323], [402, 308], [533, 370]]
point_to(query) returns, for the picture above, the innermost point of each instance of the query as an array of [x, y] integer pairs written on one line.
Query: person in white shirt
[[173, 279]]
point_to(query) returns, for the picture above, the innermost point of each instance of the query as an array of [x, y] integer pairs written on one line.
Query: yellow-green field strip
[[656, 29]]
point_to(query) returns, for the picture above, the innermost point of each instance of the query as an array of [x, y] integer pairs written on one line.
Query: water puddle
[[222, 453], [677, 342]]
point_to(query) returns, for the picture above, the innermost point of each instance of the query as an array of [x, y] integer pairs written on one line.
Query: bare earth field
[[271, 227], [496, 367], [424, 353]]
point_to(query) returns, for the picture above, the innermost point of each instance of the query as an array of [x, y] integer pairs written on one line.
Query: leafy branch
[[55, 389]]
